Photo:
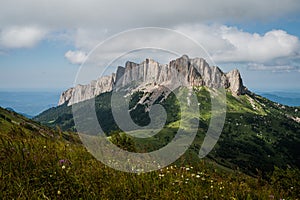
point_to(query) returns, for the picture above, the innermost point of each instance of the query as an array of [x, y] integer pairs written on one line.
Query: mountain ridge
[[184, 70]]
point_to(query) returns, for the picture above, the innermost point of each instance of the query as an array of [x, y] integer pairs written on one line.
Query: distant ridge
[[24, 114], [288, 98]]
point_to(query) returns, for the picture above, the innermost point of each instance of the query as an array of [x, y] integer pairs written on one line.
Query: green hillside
[[41, 163], [258, 134]]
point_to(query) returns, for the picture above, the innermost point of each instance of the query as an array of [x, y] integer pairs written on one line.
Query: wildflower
[[211, 186], [197, 176], [45, 147], [62, 161], [63, 167], [187, 169], [58, 192]]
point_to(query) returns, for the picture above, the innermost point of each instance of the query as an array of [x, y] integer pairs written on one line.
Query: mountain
[[258, 134], [188, 72]]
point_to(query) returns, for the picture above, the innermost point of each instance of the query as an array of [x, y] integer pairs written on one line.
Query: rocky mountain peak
[[183, 70]]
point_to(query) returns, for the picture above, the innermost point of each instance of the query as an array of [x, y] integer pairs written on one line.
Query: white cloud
[[21, 37], [230, 44], [224, 43], [255, 47], [76, 57]]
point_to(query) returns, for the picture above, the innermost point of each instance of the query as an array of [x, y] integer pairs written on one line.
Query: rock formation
[[183, 71]]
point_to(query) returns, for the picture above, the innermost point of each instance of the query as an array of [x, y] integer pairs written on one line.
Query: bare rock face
[[183, 71], [84, 92], [235, 82], [66, 96]]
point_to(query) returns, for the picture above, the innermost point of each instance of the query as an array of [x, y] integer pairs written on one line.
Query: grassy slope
[[38, 163], [258, 134]]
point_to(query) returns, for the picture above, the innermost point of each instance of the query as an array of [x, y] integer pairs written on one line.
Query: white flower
[[63, 167]]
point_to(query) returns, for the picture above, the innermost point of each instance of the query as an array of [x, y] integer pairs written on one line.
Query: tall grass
[[43, 168]]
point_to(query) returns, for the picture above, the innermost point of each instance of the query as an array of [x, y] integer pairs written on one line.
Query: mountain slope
[[258, 134], [36, 166], [20, 126]]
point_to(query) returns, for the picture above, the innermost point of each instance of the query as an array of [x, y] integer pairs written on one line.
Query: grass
[[56, 169]]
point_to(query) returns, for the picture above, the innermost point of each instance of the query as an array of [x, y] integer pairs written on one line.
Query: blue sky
[[43, 43]]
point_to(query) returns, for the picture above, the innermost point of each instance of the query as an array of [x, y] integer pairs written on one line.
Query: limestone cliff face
[[183, 71], [235, 82], [83, 92]]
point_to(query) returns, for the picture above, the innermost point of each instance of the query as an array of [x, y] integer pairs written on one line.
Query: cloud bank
[[226, 44], [89, 22], [136, 13]]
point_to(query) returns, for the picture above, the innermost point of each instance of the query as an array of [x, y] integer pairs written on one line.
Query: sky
[[43, 43]]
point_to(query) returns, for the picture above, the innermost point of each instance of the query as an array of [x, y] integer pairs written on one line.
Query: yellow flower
[[58, 192], [63, 167]]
